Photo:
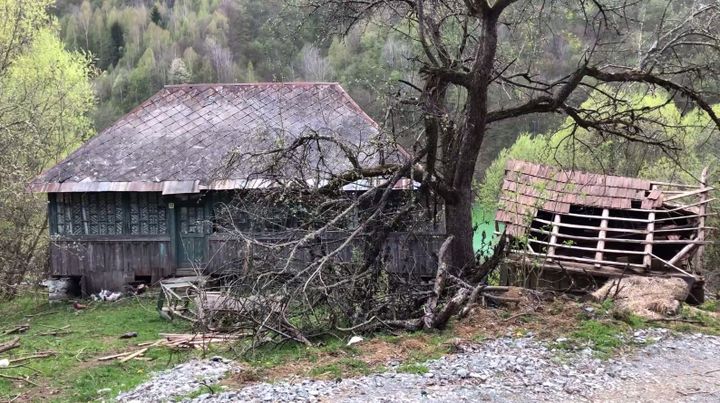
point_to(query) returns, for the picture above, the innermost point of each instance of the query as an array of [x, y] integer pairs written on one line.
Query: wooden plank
[[647, 260], [553, 236], [592, 227], [586, 248], [682, 252], [619, 240], [672, 266], [585, 260], [601, 236], [699, 263], [700, 191]]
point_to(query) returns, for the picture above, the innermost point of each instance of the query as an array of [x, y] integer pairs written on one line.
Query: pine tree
[[155, 16], [117, 43]]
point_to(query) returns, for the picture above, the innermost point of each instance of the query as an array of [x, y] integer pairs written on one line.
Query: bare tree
[[313, 65], [481, 65], [489, 53]]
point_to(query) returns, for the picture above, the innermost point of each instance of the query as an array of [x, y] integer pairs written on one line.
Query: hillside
[[139, 46]]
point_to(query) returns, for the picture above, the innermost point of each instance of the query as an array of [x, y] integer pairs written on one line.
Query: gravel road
[[683, 367]]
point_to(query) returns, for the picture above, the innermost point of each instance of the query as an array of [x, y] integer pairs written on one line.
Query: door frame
[[174, 203]]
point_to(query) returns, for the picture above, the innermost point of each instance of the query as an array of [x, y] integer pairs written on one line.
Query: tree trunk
[[458, 222]]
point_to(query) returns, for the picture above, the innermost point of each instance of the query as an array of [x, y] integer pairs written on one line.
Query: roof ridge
[[254, 84]]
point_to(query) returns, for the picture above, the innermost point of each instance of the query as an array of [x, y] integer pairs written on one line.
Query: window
[[147, 215], [89, 213], [107, 213]]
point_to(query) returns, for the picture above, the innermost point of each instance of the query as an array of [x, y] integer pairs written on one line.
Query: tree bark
[[458, 224]]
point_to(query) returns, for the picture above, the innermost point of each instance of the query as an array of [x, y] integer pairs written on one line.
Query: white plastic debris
[[354, 340], [105, 295], [4, 363]]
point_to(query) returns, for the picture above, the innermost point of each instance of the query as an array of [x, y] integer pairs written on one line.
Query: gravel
[[520, 369], [179, 381]]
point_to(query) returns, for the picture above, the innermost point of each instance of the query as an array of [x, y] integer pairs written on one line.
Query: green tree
[[117, 42], [155, 16], [46, 99], [179, 73]]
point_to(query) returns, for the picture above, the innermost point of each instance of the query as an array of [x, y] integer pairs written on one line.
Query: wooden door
[[192, 230]]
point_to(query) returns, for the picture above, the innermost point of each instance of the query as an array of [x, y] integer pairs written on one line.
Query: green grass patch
[[74, 374], [710, 306], [603, 337], [413, 368]]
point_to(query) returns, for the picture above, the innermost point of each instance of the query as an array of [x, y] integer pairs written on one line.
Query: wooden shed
[[133, 203], [572, 229]]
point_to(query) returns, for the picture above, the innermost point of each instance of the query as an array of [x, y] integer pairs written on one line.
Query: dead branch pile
[[311, 261], [647, 297]]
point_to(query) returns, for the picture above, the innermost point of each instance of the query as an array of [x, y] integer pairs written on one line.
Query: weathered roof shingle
[[529, 187], [182, 137]]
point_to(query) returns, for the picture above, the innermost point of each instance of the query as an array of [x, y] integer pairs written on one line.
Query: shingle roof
[[181, 138], [528, 187]]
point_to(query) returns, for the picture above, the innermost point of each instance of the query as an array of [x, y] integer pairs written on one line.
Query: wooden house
[[572, 229], [133, 202]]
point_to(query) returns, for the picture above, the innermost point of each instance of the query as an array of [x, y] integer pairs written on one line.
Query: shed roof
[[181, 138], [529, 187]]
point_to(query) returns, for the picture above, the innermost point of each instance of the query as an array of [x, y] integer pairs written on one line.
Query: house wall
[[411, 254], [109, 239]]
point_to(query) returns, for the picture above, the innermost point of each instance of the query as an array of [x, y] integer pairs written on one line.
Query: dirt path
[[684, 367]]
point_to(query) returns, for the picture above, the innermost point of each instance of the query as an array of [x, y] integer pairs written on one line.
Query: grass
[[603, 337], [74, 374], [413, 368]]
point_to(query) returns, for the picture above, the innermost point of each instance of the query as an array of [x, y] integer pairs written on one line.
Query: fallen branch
[[17, 329], [56, 332], [18, 378], [43, 354], [517, 315], [14, 343]]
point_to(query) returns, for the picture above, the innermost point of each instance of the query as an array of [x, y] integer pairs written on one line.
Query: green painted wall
[[484, 222]]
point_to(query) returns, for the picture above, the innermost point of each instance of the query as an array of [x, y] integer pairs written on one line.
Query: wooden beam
[[677, 185], [620, 240], [585, 260], [701, 222], [587, 248], [673, 266], [591, 227], [607, 217], [684, 251], [601, 236], [554, 234], [700, 191], [687, 206], [647, 260]]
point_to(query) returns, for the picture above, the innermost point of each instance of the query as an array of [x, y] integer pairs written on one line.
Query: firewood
[[133, 355], [110, 357]]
